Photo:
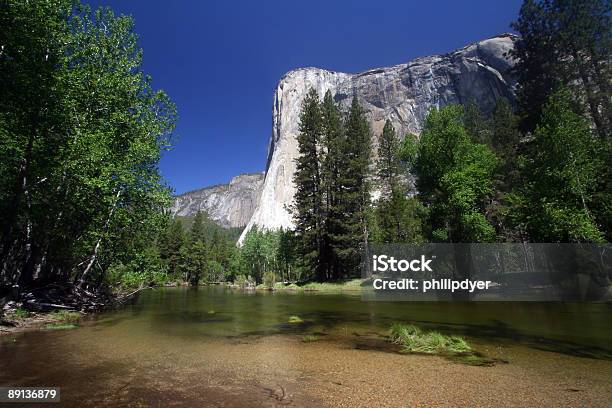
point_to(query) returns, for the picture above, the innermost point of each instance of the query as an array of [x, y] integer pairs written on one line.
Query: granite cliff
[[231, 205], [402, 93]]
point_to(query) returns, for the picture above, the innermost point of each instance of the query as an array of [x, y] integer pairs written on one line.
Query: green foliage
[[172, 240], [455, 178], [563, 170], [409, 151], [82, 131], [269, 279], [388, 164], [308, 206], [60, 326], [349, 227], [197, 232], [66, 316], [333, 287], [241, 281], [143, 269], [476, 124], [21, 313], [398, 219], [564, 43], [259, 253]]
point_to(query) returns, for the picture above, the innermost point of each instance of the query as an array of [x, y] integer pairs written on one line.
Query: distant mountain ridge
[[230, 205]]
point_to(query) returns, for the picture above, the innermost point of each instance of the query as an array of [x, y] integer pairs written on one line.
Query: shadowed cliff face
[[403, 94], [231, 205]]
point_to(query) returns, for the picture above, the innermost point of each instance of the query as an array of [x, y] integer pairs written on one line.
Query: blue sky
[[220, 62]]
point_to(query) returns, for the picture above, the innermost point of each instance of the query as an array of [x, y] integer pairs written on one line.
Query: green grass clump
[[292, 286], [414, 340], [295, 319], [66, 316], [310, 338], [60, 326], [21, 313], [349, 285]]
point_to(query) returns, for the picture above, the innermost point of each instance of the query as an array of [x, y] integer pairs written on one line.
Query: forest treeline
[[82, 131]]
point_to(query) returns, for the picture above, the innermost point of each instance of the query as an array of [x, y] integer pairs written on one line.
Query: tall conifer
[[308, 205]]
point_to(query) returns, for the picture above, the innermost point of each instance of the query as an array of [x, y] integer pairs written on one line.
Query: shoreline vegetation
[[17, 319]]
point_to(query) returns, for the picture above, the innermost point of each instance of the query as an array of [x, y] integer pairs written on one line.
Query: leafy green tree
[[259, 253], [564, 170], [455, 178], [82, 133], [287, 256]]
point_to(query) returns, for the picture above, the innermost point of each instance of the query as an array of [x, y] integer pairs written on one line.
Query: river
[[214, 346]]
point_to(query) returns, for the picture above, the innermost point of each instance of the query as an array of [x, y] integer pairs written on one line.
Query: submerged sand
[[96, 368]]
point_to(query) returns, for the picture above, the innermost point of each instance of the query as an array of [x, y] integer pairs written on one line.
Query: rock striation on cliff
[[231, 205], [402, 93]]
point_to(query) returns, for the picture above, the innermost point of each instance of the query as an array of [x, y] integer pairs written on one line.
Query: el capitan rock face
[[231, 205], [403, 94]]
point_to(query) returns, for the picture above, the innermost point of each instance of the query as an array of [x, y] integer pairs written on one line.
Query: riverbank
[[57, 307], [17, 319]]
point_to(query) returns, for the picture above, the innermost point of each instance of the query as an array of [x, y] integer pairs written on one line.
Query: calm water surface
[[182, 336]]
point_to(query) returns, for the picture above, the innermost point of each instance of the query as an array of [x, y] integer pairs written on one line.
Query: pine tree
[[197, 232], [171, 243], [354, 199], [194, 262], [398, 219], [308, 209], [333, 145], [388, 164], [476, 123]]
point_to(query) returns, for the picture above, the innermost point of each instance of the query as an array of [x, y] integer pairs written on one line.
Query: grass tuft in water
[[310, 338], [66, 316], [60, 326], [414, 340], [295, 319]]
